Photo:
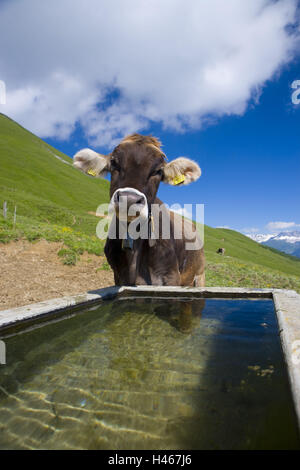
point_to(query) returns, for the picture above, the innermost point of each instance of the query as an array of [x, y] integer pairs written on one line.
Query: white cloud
[[250, 230], [175, 62], [224, 226], [281, 226]]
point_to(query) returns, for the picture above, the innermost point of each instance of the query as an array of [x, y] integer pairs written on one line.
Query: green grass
[[76, 241], [53, 200], [231, 271], [104, 267], [243, 248], [69, 257], [247, 263]]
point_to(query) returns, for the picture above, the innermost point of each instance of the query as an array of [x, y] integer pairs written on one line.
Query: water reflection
[[184, 315]]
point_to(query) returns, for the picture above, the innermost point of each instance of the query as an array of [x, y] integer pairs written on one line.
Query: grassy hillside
[[54, 200], [247, 263]]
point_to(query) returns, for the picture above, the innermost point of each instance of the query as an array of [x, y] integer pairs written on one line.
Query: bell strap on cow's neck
[[127, 243]]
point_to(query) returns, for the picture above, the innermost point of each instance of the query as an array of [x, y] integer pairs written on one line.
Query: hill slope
[[246, 263], [37, 176], [54, 200]]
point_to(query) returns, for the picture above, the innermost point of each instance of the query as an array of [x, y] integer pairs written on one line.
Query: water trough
[[14, 322]]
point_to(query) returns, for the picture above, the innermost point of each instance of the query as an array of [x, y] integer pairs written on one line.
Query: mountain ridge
[[287, 242]]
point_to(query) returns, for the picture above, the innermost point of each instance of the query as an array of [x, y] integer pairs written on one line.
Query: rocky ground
[[32, 272]]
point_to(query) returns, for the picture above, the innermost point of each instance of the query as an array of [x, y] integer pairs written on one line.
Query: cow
[[137, 166]]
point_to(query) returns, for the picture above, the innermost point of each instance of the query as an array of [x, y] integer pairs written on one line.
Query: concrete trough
[[286, 303]]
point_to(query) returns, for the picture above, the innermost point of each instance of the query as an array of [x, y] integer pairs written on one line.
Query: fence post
[[4, 209], [15, 216]]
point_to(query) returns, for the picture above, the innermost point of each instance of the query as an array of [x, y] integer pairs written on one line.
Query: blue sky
[[250, 163], [211, 79]]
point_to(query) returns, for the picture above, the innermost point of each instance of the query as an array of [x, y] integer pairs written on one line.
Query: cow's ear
[[181, 171], [91, 162]]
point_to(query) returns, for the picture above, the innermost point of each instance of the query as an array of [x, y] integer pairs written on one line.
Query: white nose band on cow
[[141, 206]]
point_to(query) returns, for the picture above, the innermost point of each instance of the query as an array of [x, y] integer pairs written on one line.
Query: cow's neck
[[133, 258], [133, 251]]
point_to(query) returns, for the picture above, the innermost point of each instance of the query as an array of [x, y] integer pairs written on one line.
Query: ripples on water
[[149, 374]]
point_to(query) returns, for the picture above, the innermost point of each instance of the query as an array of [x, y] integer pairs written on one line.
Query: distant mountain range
[[288, 242]]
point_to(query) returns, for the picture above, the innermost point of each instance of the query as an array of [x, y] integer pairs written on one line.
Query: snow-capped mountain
[[260, 237], [291, 237], [288, 242]]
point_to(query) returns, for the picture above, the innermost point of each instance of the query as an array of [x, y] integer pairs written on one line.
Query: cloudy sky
[[211, 79]]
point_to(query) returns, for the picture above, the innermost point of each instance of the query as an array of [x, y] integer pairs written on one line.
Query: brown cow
[[137, 166]]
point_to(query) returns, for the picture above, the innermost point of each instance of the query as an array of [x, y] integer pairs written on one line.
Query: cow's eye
[[114, 165], [157, 172]]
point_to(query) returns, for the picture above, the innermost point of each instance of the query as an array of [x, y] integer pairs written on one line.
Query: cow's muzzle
[[129, 203]]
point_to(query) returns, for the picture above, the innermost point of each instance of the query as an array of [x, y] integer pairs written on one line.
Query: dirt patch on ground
[[32, 272]]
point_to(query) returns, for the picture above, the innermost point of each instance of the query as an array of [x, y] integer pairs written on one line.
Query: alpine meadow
[[56, 202]]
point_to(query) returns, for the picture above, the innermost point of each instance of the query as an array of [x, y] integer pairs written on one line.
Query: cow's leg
[[172, 279], [199, 280]]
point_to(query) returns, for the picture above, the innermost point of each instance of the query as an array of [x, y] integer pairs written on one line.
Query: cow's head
[[137, 166]]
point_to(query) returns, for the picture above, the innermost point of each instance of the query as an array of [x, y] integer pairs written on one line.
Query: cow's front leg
[[163, 264], [168, 280], [172, 278], [165, 276]]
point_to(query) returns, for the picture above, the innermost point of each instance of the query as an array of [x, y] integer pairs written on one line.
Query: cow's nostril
[[140, 200], [128, 197], [134, 199]]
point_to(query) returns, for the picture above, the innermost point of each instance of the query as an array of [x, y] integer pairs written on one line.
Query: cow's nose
[[129, 197]]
